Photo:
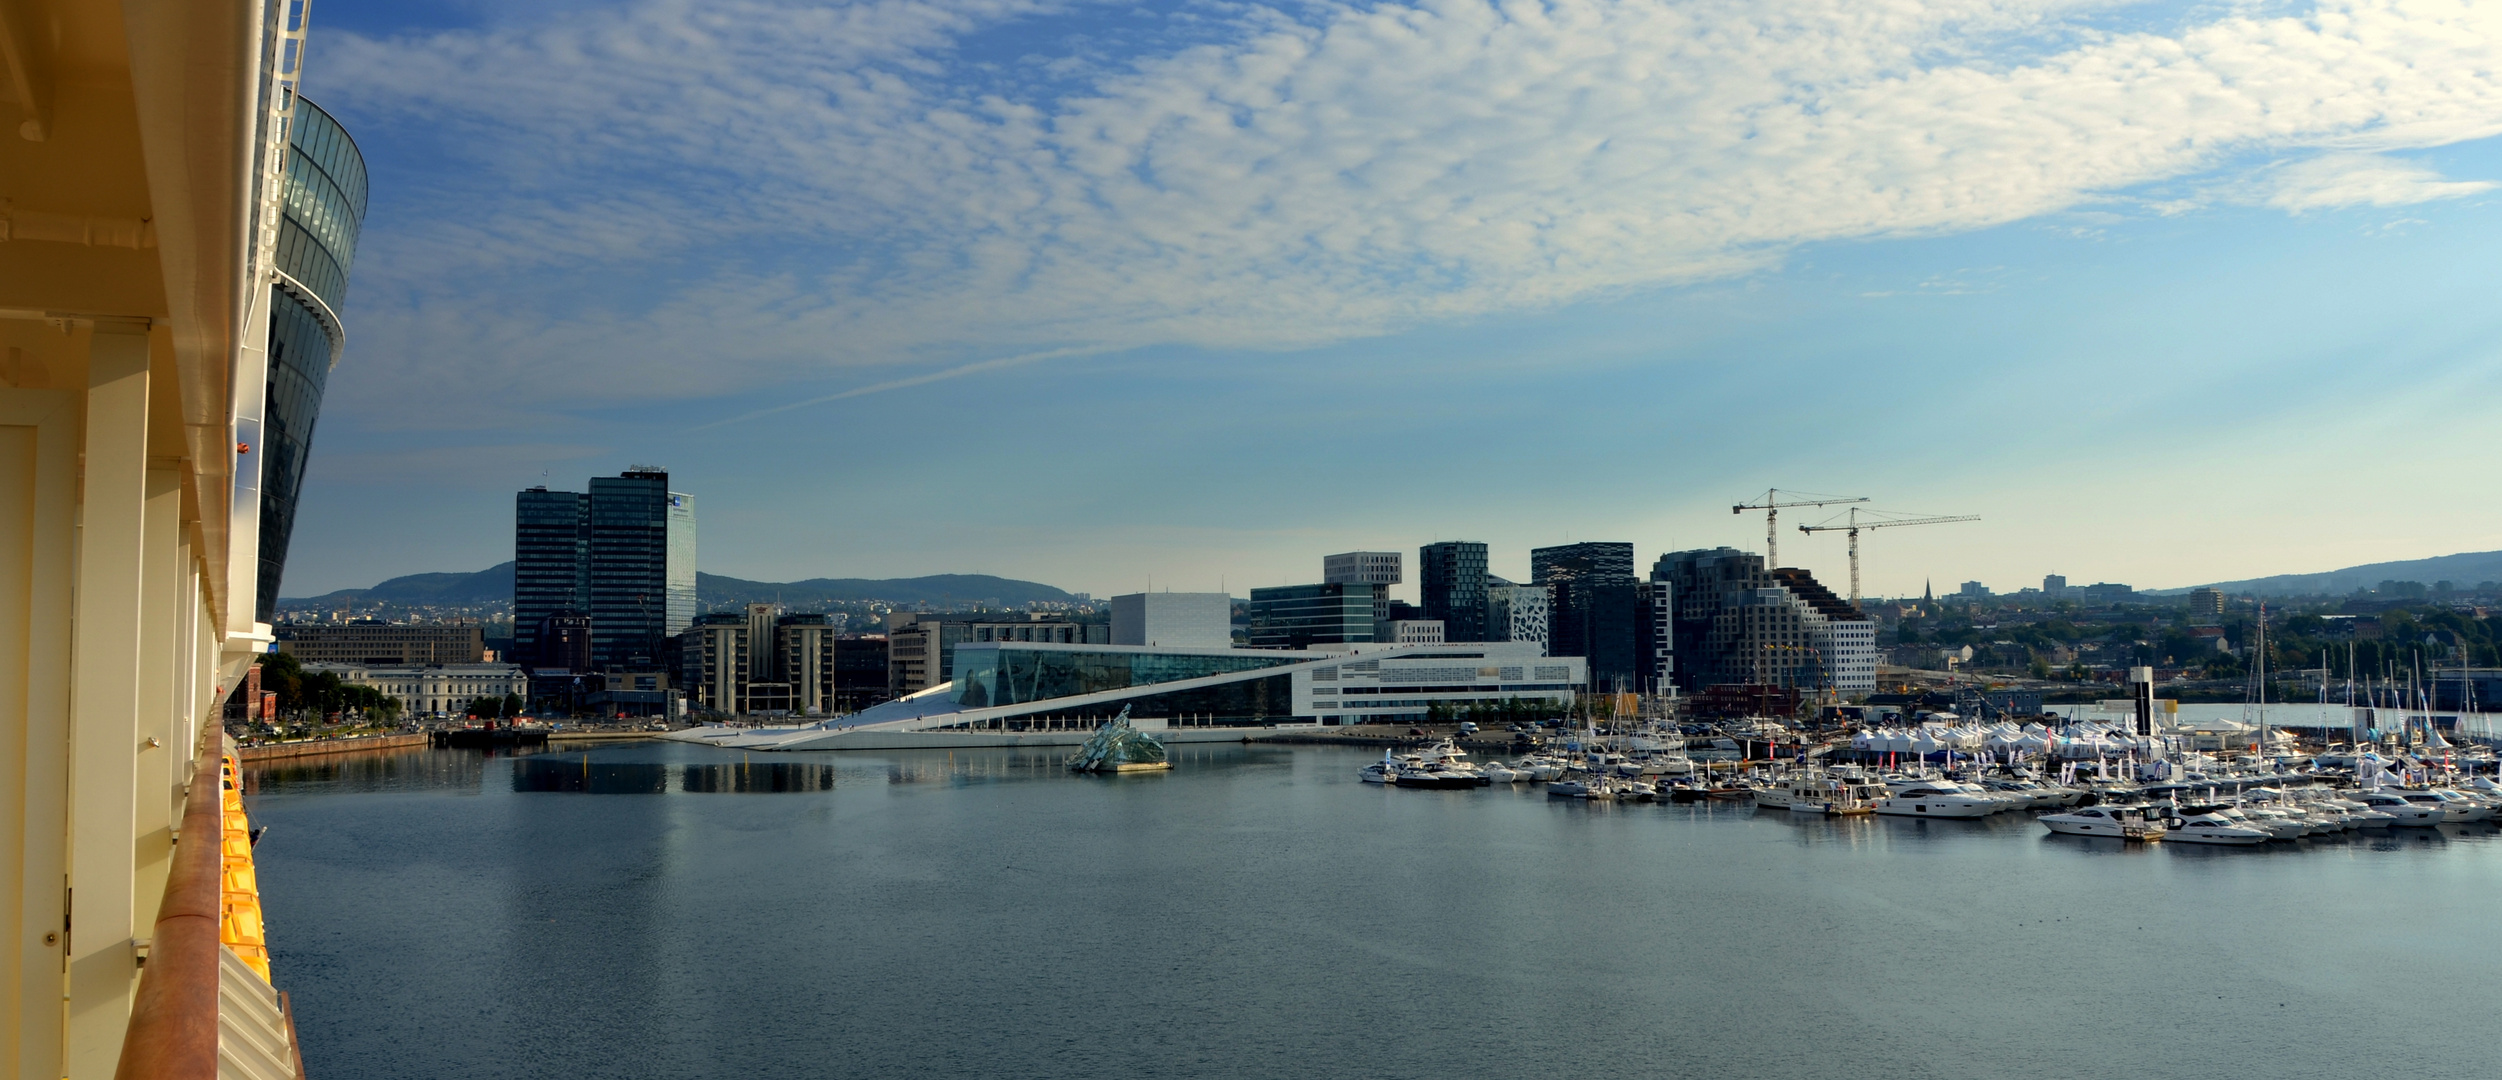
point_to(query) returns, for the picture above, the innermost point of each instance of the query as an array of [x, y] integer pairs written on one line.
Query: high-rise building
[[2054, 584], [1301, 616], [322, 211], [624, 554], [1594, 609], [642, 565], [1516, 613], [1737, 623], [1452, 578], [1597, 559], [2206, 604], [551, 563]]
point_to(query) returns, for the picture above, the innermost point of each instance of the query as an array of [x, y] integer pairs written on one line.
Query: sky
[[1185, 297]]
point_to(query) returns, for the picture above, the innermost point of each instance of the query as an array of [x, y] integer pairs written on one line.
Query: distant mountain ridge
[[2465, 570], [495, 585]]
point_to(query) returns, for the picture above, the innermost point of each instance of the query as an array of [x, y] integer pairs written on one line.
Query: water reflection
[[758, 777], [582, 775], [413, 768]]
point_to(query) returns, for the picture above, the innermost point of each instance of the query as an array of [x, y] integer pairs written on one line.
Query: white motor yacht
[[2453, 811], [2359, 816], [2113, 822], [1382, 771], [2408, 815], [1937, 799], [1832, 795], [2216, 829]]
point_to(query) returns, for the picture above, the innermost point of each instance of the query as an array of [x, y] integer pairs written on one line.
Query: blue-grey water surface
[[657, 910]]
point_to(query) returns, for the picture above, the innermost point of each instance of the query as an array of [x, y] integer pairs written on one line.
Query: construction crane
[[1776, 500], [1877, 519]]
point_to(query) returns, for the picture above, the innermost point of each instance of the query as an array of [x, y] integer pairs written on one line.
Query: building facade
[[375, 642], [1736, 623], [1361, 568], [921, 647], [1451, 578], [1302, 616], [1594, 609], [623, 554], [1179, 620], [434, 689], [2206, 604], [1516, 613], [551, 564], [321, 211]]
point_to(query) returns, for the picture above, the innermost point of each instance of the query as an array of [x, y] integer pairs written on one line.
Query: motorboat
[[1937, 799], [2453, 810], [2111, 822], [1567, 789], [1496, 772], [1833, 795], [1433, 775], [1383, 771], [2407, 814], [2216, 829]]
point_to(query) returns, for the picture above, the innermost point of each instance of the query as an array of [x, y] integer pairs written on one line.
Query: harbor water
[[669, 911]]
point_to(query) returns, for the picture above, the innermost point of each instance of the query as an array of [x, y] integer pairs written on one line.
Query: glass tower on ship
[[322, 210]]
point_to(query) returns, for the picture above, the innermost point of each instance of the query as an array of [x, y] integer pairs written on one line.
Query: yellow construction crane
[[1776, 500], [1877, 519]]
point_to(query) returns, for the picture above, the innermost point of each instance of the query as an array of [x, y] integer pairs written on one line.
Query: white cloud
[[2335, 180], [673, 199]]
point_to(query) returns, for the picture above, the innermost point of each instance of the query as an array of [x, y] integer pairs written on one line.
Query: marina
[[1273, 915]]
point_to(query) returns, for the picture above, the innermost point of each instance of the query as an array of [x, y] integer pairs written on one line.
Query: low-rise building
[[432, 689], [1302, 616], [1177, 620]]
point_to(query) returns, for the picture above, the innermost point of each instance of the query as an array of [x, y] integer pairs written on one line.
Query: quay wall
[[319, 747]]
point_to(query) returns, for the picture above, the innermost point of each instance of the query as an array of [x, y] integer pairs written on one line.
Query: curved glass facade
[[324, 211]]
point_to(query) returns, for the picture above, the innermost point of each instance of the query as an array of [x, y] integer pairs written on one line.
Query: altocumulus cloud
[[777, 190]]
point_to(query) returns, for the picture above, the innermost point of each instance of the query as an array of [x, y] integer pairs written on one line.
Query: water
[[1257, 912]]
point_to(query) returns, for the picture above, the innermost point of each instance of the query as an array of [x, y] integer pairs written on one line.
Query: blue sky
[[1098, 295]]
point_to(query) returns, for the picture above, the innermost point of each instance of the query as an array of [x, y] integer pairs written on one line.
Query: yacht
[[2409, 815], [2216, 829], [1831, 795], [2117, 822], [2452, 810], [1436, 775], [1383, 771], [1937, 799]]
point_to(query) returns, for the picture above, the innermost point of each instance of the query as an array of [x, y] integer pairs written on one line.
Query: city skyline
[[2177, 347]]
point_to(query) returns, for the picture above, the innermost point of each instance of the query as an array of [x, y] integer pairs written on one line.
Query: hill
[[494, 585], [2465, 570]]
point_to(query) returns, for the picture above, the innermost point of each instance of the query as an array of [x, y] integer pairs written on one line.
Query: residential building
[[1516, 613], [371, 641], [434, 689], [714, 658], [1654, 637], [1452, 580], [1973, 590], [2054, 585], [1302, 616], [1736, 623], [2205, 604], [1594, 610], [1178, 620]]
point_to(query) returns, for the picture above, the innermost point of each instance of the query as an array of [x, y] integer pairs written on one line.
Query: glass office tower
[[323, 207], [1453, 587], [642, 550], [624, 553], [551, 564]]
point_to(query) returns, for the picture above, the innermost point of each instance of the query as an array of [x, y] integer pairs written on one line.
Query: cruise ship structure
[[1018, 693]]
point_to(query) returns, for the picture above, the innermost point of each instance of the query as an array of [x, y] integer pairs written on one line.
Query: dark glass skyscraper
[[1452, 579], [322, 210], [625, 553], [551, 564], [1594, 608]]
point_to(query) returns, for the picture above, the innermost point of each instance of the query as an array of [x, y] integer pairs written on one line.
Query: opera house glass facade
[[323, 209]]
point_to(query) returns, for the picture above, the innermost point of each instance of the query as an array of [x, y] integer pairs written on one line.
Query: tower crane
[[1877, 519], [1776, 500]]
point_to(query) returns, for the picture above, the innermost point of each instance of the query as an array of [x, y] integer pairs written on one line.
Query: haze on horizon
[[1092, 295]]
